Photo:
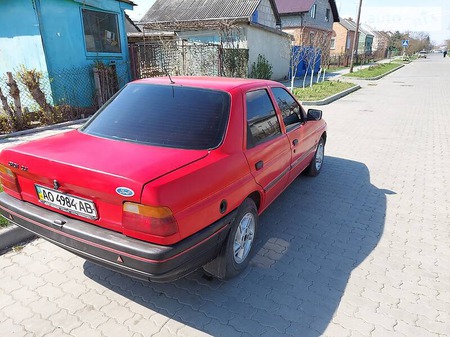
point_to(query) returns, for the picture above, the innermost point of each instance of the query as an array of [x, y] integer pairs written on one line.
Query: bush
[[261, 68], [6, 125]]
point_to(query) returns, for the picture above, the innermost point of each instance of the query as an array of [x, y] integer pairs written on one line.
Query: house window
[[312, 12], [349, 42], [333, 43], [327, 15], [101, 32]]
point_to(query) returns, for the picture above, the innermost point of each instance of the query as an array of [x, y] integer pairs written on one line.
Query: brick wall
[[342, 36]]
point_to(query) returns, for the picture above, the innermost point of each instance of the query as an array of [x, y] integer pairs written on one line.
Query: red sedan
[[167, 177]]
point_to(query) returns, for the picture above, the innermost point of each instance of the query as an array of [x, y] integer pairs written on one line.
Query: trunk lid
[[104, 171]]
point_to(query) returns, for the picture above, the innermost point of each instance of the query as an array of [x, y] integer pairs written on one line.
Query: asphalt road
[[361, 250]]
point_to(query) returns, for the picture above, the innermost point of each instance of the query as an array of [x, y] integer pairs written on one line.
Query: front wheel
[[317, 162], [235, 254]]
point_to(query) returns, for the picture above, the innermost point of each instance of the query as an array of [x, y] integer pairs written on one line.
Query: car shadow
[[309, 242]]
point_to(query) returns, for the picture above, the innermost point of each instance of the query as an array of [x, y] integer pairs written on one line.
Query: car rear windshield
[[164, 115]]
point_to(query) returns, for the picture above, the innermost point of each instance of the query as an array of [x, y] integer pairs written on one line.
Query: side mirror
[[314, 115]]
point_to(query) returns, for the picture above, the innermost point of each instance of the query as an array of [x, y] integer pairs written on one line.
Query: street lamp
[[355, 38]]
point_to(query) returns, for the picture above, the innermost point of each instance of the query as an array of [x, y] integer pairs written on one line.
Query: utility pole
[[356, 37]]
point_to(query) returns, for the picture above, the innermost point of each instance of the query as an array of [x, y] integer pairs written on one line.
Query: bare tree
[[15, 94], [318, 50], [31, 78], [326, 57], [297, 56]]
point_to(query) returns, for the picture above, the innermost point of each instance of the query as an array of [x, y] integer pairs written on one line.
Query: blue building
[[65, 39]]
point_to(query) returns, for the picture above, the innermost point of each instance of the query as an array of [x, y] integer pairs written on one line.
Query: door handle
[[259, 165], [295, 142]]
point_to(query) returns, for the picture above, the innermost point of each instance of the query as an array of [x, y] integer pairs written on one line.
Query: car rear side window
[[164, 115], [262, 122]]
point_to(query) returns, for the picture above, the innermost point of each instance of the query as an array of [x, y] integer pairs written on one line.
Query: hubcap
[[319, 156], [243, 239]]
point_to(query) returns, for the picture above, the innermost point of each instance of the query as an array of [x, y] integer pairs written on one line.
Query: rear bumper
[[116, 251]]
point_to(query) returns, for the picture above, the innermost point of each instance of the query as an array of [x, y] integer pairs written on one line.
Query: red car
[[168, 176]]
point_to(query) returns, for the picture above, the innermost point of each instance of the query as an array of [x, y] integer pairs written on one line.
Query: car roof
[[208, 82]]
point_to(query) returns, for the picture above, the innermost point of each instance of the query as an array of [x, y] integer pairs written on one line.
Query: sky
[[142, 7], [431, 16]]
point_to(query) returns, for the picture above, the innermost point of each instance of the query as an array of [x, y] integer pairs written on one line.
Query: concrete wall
[[69, 63], [20, 39], [20, 44], [48, 35], [273, 46], [266, 15]]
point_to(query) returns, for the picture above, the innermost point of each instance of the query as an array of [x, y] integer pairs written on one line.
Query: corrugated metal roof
[[128, 2], [363, 29], [349, 25], [190, 10]]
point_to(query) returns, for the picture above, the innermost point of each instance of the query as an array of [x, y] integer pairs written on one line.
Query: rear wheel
[[235, 254], [317, 162]]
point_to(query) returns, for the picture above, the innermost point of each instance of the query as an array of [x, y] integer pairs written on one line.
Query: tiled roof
[[286, 7], [294, 6], [190, 10]]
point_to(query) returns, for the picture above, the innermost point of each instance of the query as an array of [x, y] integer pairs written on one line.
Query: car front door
[[267, 148], [299, 132]]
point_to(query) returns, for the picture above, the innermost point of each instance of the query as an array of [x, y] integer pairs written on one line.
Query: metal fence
[[344, 60], [70, 93], [186, 59]]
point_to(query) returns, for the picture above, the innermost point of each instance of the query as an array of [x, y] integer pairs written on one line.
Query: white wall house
[[256, 27]]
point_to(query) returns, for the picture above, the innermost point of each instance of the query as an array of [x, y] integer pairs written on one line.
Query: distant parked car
[[422, 54], [168, 176]]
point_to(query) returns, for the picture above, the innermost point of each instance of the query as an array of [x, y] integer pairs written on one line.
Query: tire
[[236, 251], [316, 164]]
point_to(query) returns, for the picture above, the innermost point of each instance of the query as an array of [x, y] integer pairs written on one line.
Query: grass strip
[[374, 71], [321, 90]]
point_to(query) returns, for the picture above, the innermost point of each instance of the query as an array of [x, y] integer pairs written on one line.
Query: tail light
[[9, 180], [158, 221]]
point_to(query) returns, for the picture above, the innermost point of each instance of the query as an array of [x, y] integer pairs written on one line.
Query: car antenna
[[167, 73]]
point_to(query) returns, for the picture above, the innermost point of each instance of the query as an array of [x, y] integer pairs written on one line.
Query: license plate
[[66, 202]]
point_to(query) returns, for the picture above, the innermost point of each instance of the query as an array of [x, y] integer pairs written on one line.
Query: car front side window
[[290, 109]]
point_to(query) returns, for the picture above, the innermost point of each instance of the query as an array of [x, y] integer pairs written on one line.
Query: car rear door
[[267, 148], [301, 134]]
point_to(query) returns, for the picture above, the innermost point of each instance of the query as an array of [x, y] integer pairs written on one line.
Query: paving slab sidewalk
[[361, 250]]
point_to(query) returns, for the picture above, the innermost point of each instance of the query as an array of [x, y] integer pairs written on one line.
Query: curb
[[13, 235], [43, 128], [333, 98], [379, 76]]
